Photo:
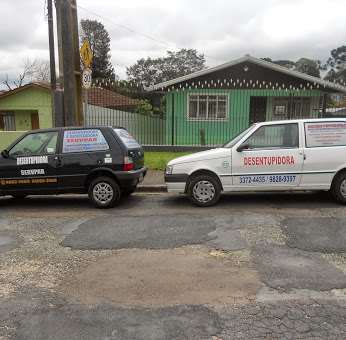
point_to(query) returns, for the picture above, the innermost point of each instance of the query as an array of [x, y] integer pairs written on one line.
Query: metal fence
[[207, 114]]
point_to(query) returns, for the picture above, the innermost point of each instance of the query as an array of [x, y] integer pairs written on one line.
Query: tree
[[99, 40], [285, 63], [308, 66], [151, 71], [33, 70], [304, 65], [337, 65]]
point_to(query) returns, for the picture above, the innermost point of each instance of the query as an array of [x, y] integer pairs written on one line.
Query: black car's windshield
[[236, 139]]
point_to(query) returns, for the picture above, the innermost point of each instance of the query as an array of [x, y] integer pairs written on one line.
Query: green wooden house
[[211, 106], [25, 108]]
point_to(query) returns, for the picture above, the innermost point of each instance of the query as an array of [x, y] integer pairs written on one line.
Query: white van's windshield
[[236, 139]]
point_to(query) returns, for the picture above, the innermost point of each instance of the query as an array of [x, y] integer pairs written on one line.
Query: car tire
[[338, 189], [19, 196], [104, 192], [204, 190]]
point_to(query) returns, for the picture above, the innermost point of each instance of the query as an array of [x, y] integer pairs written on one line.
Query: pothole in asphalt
[[284, 268], [323, 234], [7, 242], [51, 317], [150, 232], [162, 232], [227, 239], [299, 319], [168, 277]]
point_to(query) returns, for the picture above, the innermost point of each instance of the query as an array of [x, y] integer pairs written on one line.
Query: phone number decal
[[267, 179]]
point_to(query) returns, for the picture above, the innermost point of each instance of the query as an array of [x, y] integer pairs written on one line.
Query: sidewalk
[[153, 182]]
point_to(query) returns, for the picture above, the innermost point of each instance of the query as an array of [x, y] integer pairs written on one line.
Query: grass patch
[[159, 160]]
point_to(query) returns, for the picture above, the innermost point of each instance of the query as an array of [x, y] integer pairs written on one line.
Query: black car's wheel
[[19, 196], [204, 190], [104, 192], [338, 189]]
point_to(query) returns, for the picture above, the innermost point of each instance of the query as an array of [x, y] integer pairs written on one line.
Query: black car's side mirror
[[4, 153], [243, 147]]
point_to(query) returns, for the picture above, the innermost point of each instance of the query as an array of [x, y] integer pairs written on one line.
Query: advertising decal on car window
[[325, 134], [127, 139], [83, 141]]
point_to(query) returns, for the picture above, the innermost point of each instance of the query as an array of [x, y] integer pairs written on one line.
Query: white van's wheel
[[338, 189], [204, 190]]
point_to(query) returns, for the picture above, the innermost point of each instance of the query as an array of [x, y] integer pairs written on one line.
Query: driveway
[[255, 266]]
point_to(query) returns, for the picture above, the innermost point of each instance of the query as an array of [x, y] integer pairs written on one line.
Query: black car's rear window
[[127, 139]]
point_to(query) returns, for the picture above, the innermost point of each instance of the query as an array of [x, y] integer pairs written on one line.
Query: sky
[[221, 29]]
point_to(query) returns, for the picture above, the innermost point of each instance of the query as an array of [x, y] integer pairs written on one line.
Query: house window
[[291, 107], [280, 109], [7, 121], [301, 107], [207, 107]]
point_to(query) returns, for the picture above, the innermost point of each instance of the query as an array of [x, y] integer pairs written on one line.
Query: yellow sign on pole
[[86, 54]]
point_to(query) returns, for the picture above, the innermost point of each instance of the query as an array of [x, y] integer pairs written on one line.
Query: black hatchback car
[[104, 162]]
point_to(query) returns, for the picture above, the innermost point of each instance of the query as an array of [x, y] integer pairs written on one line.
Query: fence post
[[86, 118], [324, 105], [172, 118]]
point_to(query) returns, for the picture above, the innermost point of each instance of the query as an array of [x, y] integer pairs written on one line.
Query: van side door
[[269, 159], [325, 149]]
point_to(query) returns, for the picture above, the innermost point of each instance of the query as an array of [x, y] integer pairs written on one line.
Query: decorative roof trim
[[260, 62]]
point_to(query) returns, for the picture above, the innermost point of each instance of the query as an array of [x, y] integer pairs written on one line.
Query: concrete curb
[[152, 188]]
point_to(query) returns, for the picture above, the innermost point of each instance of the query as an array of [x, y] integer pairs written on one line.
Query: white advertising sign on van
[[84, 141], [325, 134]]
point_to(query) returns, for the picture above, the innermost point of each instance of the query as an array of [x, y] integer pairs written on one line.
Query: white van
[[306, 154]]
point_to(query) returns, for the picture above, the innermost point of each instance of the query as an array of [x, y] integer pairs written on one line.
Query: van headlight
[[169, 170]]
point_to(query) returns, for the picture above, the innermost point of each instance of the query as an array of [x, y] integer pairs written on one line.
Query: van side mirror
[[4, 153], [243, 147]]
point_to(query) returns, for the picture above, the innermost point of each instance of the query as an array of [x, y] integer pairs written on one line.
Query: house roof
[[253, 60], [38, 84], [102, 97]]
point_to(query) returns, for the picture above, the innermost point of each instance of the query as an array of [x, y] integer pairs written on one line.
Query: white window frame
[[206, 119]]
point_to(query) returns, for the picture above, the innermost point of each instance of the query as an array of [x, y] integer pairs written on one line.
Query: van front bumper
[[176, 182]]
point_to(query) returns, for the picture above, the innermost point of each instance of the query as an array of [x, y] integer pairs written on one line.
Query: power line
[[131, 30], [126, 27]]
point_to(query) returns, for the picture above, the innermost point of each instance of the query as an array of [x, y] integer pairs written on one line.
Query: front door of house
[[35, 122], [258, 108]]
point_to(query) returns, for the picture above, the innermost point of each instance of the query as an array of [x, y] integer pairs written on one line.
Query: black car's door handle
[[58, 161]]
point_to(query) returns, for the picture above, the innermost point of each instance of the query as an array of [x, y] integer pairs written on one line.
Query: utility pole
[[69, 61], [77, 64], [57, 109]]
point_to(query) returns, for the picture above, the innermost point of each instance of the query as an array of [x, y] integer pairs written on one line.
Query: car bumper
[[131, 178], [176, 182]]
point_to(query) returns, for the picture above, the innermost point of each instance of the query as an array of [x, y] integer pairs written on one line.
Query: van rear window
[[319, 134], [127, 139]]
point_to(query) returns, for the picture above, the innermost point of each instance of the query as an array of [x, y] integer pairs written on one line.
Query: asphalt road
[[253, 267]]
